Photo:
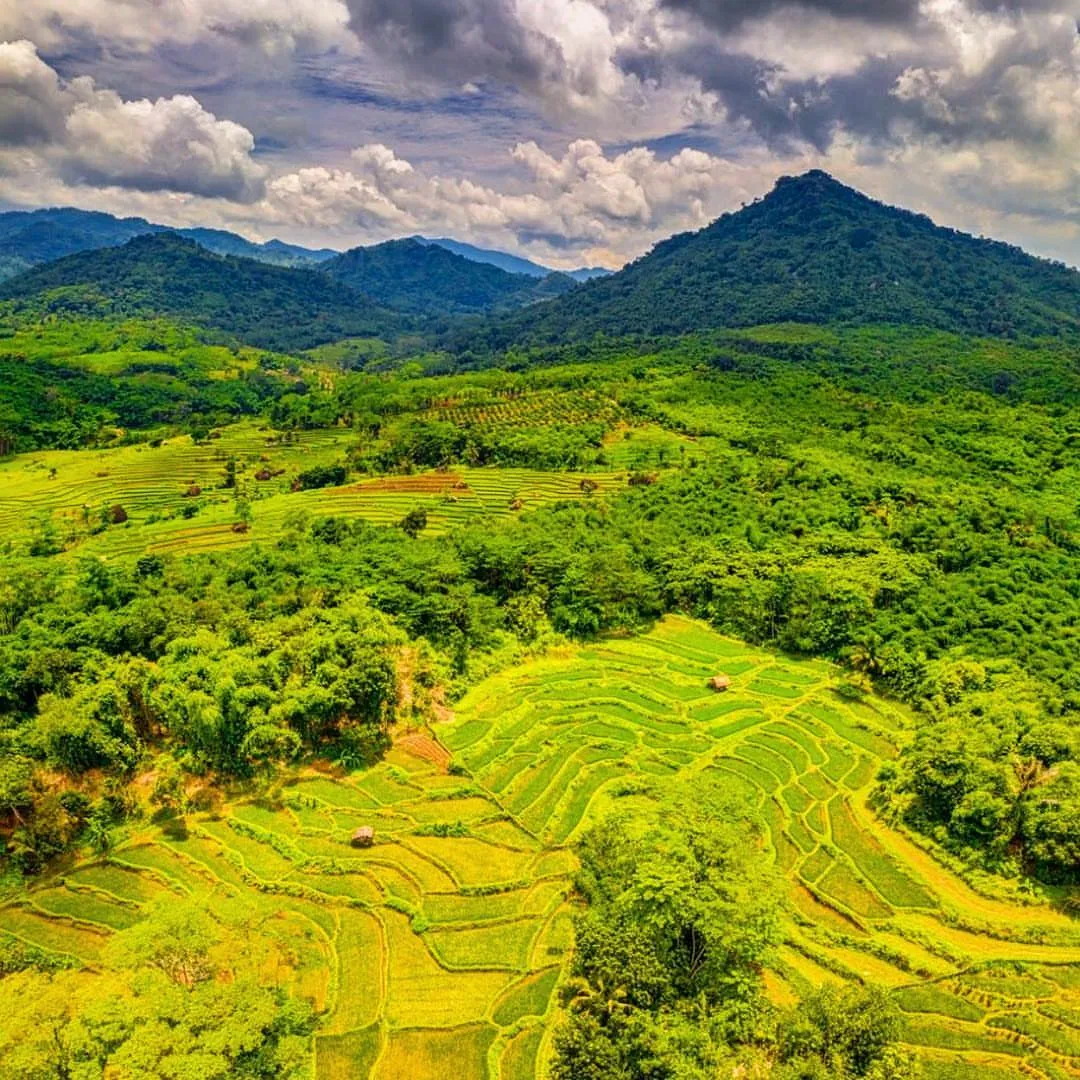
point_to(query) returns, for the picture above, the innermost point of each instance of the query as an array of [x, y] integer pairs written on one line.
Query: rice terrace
[[439, 949]]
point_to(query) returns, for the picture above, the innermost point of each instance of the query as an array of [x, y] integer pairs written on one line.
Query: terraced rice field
[[151, 485], [437, 951], [148, 481]]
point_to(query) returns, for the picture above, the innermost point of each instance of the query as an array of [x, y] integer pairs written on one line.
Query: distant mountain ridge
[[275, 307], [513, 264], [33, 237], [815, 251]]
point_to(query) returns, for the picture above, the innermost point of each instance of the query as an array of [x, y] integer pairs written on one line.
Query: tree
[[846, 1031], [414, 522], [683, 912]]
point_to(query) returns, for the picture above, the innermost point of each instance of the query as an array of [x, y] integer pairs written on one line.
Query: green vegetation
[[650, 707], [422, 278], [268, 306], [454, 944], [29, 238]]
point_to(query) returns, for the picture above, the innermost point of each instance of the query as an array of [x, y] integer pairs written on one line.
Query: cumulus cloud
[[91, 135], [561, 49], [728, 14], [273, 25], [980, 98], [584, 203]]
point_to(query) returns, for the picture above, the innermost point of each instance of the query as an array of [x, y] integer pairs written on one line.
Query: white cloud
[[585, 204], [272, 25], [91, 135]]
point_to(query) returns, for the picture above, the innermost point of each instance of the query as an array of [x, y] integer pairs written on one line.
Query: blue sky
[[570, 131]]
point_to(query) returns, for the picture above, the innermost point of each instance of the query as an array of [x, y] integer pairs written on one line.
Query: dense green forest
[[408, 275], [164, 274], [32, 237]]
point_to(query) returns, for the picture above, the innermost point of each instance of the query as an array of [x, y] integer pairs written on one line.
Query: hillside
[[32, 237], [427, 279], [815, 251], [164, 274]]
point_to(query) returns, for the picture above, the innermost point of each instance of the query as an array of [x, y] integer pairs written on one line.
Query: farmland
[[444, 941], [174, 498]]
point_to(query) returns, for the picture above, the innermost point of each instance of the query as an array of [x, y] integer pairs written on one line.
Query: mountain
[[513, 264], [815, 251], [166, 274], [32, 237], [275, 252], [428, 279]]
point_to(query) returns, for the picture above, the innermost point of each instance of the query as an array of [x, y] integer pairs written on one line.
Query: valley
[[413, 664]]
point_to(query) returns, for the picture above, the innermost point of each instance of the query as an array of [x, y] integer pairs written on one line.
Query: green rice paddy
[[175, 501]]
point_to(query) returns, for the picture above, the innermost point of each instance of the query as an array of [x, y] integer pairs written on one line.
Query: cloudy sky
[[571, 131]]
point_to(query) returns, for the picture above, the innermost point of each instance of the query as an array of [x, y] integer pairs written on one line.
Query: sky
[[574, 132]]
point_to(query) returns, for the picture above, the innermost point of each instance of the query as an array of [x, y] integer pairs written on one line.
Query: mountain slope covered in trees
[[270, 306], [816, 251], [429, 279]]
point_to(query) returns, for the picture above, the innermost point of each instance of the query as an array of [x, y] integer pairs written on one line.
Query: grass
[[86, 907], [441, 956], [117, 881], [55, 935], [519, 1059], [343, 1057], [503, 945], [955, 1035], [933, 999], [421, 992], [358, 947], [842, 885]]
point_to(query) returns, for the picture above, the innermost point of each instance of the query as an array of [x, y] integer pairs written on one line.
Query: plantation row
[[510, 410]]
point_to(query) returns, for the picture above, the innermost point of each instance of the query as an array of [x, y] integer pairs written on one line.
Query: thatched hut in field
[[363, 837], [720, 683]]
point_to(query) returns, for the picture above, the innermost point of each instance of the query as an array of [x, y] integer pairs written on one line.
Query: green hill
[[32, 237], [428, 279], [165, 274], [815, 251]]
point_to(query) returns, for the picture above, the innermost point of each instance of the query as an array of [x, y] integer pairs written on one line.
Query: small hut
[[720, 683], [363, 837]]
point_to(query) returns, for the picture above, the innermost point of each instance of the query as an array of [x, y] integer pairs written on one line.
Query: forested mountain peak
[[816, 251], [411, 275]]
